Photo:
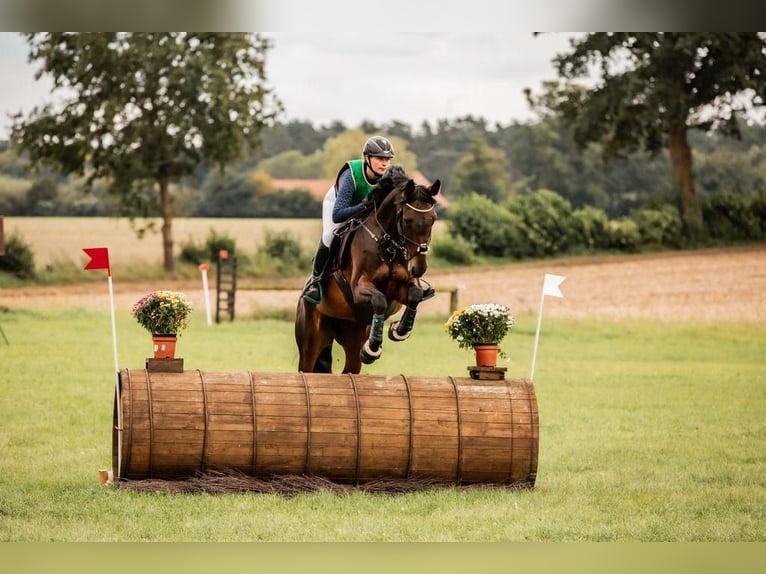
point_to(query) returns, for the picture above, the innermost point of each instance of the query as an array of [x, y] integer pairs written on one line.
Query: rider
[[343, 201]]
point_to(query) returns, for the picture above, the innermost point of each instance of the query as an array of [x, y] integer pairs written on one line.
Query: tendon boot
[[312, 292]]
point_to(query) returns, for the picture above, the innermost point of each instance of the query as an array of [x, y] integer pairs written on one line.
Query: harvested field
[[713, 285]]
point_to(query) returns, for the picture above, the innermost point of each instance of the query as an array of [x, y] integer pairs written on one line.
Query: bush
[[592, 227], [548, 225], [453, 249], [731, 216], [195, 253], [486, 226], [18, 259], [623, 235], [660, 227], [280, 255], [292, 203]]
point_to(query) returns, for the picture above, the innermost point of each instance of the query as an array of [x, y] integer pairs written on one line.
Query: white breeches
[[328, 227]]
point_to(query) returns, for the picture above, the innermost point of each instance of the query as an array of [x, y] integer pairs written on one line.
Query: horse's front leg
[[401, 329], [373, 346]]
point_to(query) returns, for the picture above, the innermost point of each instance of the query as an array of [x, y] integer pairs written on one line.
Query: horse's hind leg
[[323, 363], [401, 329]]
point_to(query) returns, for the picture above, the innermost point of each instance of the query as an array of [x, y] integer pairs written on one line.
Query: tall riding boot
[[312, 292]]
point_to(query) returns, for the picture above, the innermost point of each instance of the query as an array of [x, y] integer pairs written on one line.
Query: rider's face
[[379, 164]]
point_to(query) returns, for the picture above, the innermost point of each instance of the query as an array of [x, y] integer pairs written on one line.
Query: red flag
[[99, 258]]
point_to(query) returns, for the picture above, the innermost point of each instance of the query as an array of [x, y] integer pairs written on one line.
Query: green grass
[[648, 432]]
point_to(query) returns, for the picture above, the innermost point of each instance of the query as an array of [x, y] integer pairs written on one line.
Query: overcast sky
[[351, 77]]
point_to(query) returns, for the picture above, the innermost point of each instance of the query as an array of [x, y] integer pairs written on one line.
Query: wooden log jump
[[345, 428]]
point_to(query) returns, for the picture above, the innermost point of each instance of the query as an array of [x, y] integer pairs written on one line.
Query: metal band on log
[[345, 428]]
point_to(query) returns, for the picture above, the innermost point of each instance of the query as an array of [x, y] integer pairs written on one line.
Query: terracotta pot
[[164, 346], [486, 354]]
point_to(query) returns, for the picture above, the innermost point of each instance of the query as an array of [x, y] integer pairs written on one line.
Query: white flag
[[551, 285]]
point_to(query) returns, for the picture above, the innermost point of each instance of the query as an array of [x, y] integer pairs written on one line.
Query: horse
[[382, 260]]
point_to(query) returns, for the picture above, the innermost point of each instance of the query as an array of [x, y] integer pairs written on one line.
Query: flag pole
[[537, 336], [99, 259], [114, 322], [550, 287], [206, 292]]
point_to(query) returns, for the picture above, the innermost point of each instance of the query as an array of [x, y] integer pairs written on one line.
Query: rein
[[389, 246]]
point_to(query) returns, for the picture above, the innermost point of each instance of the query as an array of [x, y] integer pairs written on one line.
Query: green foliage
[[660, 227], [18, 259], [147, 108], [454, 249], [636, 104], [297, 203], [548, 227], [42, 197], [280, 254], [624, 235], [478, 324], [348, 145], [12, 164], [292, 164], [163, 312], [226, 194], [489, 228], [591, 224], [13, 192], [194, 253], [734, 217], [483, 170]]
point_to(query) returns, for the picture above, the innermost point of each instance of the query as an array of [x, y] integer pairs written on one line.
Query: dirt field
[[720, 285]]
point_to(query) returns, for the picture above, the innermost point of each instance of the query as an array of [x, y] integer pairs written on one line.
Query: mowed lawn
[[648, 432]]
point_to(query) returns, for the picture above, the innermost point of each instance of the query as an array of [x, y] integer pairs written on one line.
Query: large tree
[[651, 88], [483, 170], [142, 110]]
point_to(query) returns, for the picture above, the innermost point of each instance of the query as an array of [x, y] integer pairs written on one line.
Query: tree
[[483, 170], [653, 88], [147, 109], [348, 145]]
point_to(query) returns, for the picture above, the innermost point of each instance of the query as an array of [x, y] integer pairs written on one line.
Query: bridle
[[388, 247]]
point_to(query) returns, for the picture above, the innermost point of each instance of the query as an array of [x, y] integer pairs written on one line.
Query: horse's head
[[416, 215], [406, 212]]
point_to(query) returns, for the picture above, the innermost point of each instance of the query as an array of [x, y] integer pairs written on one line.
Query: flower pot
[[486, 354], [164, 346]]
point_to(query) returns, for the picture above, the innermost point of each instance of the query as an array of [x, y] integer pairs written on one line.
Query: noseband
[[422, 248], [388, 247]]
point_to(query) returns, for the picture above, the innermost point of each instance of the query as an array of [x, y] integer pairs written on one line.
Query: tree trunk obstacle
[[348, 429]]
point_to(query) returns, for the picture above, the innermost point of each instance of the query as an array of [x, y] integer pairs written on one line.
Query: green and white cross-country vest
[[362, 187]]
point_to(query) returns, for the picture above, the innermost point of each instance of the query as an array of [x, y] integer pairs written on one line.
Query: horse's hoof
[[394, 336], [368, 355]]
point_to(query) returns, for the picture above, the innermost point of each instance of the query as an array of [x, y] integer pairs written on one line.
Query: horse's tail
[[303, 339]]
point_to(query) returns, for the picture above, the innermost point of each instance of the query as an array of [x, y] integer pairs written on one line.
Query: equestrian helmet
[[378, 146]]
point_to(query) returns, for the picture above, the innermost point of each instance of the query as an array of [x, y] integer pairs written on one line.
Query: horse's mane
[[391, 183]]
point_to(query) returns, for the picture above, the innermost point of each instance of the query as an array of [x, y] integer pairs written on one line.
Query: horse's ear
[[434, 189], [409, 188]]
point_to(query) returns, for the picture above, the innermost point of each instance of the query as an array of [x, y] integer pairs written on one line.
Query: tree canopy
[[652, 88], [145, 109]]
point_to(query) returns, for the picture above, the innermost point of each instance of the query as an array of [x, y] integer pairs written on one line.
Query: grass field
[[648, 432]]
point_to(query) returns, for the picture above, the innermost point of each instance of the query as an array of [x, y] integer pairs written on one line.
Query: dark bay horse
[[379, 272]]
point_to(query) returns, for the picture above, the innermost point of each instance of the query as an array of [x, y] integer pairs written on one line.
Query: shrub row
[[542, 224]]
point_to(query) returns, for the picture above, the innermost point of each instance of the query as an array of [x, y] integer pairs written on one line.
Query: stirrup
[[429, 291], [312, 283]]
